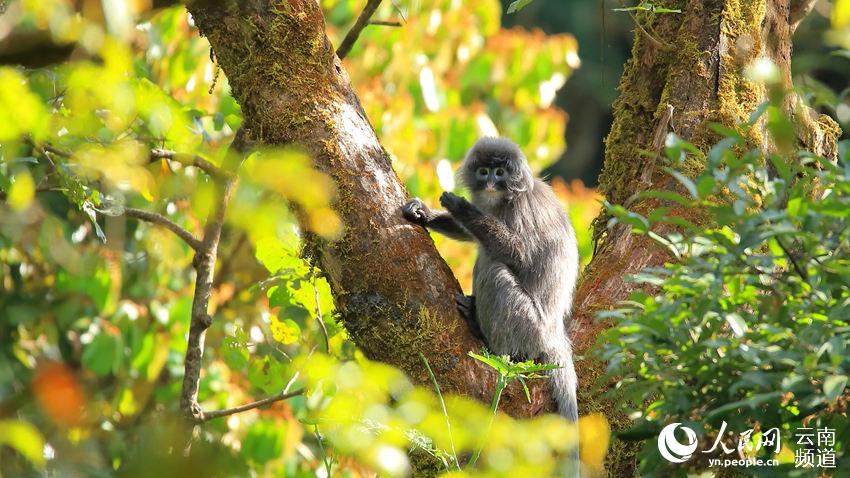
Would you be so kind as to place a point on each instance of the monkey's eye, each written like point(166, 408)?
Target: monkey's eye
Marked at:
point(483, 171)
point(500, 172)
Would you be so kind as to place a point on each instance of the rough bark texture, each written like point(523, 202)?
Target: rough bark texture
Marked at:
point(392, 288)
point(394, 291)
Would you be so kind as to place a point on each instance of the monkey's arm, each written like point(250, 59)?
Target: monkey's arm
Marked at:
point(500, 242)
point(417, 212)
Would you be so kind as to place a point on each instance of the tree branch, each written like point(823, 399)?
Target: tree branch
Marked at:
point(800, 271)
point(207, 416)
point(386, 23)
point(161, 220)
point(800, 9)
point(359, 25)
point(204, 264)
point(189, 160)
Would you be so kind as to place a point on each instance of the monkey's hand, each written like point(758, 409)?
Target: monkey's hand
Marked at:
point(416, 211)
point(455, 204)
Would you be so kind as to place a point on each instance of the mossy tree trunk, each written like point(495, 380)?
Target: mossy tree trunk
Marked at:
point(392, 288)
point(686, 72)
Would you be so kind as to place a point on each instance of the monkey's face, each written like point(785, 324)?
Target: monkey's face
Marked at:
point(491, 179)
point(495, 171)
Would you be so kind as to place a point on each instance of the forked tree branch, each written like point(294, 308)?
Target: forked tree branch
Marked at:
point(352, 35)
point(204, 264)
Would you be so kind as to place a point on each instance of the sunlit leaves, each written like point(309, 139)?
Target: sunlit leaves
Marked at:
point(291, 175)
point(285, 331)
point(595, 435)
point(121, 164)
point(373, 407)
point(21, 112)
point(21, 192)
point(119, 311)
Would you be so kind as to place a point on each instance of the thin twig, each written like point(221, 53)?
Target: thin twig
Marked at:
point(161, 220)
point(207, 416)
point(385, 23)
point(359, 25)
point(328, 463)
point(319, 311)
point(189, 160)
point(397, 8)
point(800, 271)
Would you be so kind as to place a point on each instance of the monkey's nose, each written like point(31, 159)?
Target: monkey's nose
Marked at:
point(491, 186)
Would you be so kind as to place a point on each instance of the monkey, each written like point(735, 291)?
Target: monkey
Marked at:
point(525, 274)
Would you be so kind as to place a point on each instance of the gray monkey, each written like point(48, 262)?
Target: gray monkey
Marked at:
point(525, 274)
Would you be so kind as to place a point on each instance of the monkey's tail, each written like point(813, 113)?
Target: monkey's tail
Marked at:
point(564, 385)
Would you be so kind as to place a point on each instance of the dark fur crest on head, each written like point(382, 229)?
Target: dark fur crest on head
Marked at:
point(493, 152)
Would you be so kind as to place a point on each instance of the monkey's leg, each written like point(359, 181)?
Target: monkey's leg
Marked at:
point(466, 307)
point(511, 320)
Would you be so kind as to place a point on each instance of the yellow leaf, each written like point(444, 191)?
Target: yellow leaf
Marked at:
point(23, 437)
point(841, 14)
point(21, 111)
point(21, 192)
point(594, 433)
point(285, 332)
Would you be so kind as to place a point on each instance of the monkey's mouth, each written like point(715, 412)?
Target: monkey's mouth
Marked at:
point(491, 193)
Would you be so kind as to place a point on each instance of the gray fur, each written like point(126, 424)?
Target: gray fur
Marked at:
point(525, 274)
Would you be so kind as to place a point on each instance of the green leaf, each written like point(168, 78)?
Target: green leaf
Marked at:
point(833, 386)
point(234, 353)
point(518, 5)
point(497, 363)
point(264, 441)
point(685, 181)
point(103, 354)
point(705, 186)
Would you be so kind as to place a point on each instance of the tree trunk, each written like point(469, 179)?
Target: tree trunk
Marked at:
point(686, 72)
point(392, 288)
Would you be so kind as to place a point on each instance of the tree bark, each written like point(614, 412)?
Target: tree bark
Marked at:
point(392, 288)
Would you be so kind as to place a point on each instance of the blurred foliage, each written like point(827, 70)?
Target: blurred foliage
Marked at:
point(749, 326)
point(95, 307)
